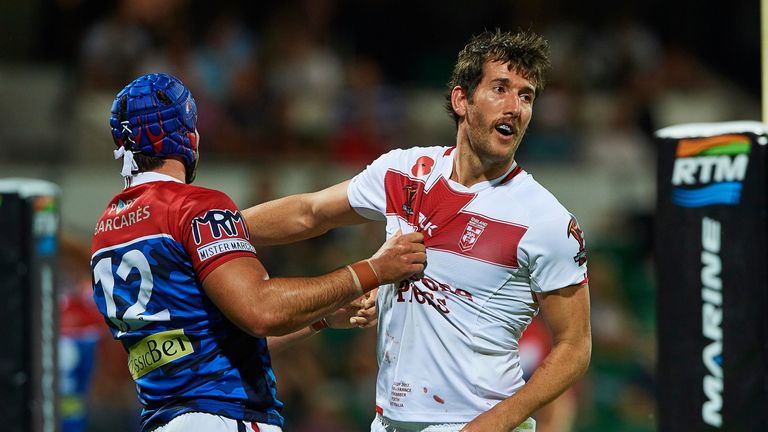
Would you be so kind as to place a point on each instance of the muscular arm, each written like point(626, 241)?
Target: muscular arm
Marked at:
point(360, 313)
point(566, 313)
point(242, 290)
point(287, 220)
point(264, 307)
point(302, 216)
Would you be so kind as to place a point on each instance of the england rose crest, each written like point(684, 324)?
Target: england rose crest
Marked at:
point(472, 232)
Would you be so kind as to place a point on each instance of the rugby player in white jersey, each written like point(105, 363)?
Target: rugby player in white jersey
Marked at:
point(500, 249)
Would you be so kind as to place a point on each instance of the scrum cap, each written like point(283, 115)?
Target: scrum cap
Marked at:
point(154, 115)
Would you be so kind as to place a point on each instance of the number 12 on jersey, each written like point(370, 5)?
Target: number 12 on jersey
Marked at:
point(112, 273)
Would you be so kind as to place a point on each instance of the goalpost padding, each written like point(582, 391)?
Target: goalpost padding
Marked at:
point(29, 225)
point(711, 261)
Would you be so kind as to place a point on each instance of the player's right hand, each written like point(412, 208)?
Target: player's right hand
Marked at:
point(400, 257)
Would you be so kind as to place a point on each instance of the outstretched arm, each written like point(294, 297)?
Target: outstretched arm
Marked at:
point(359, 313)
point(566, 313)
point(302, 216)
point(242, 290)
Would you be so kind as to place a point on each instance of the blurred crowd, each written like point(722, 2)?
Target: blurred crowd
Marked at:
point(342, 82)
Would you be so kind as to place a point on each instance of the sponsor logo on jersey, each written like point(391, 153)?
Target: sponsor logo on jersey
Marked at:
point(426, 226)
point(219, 232)
point(157, 350)
point(429, 292)
point(472, 233)
point(710, 171)
point(575, 231)
point(125, 216)
point(224, 246)
point(423, 166)
point(712, 319)
point(120, 206)
point(215, 224)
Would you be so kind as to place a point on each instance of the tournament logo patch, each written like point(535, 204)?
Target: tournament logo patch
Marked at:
point(472, 233)
point(410, 194)
point(574, 231)
point(220, 231)
point(423, 166)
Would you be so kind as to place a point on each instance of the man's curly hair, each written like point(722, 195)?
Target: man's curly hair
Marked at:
point(525, 51)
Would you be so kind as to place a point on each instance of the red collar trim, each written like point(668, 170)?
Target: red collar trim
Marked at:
point(515, 171)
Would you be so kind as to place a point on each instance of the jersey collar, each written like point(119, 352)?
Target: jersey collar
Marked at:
point(150, 176)
point(447, 170)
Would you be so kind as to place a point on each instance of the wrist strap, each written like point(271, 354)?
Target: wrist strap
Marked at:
point(364, 275)
point(319, 325)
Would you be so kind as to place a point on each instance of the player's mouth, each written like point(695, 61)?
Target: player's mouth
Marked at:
point(505, 129)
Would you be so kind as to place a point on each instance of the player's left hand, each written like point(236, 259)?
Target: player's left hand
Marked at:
point(361, 313)
point(367, 315)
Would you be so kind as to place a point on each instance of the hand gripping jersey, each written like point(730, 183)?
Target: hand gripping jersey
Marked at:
point(447, 341)
point(153, 245)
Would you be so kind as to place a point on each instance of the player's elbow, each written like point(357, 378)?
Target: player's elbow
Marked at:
point(312, 218)
point(266, 323)
point(583, 355)
point(310, 225)
point(578, 352)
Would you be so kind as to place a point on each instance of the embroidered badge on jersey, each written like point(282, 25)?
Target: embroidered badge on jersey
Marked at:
point(410, 193)
point(423, 166)
point(575, 231)
point(472, 232)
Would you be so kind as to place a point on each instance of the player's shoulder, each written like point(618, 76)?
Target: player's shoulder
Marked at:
point(405, 159)
point(412, 154)
point(188, 192)
point(195, 190)
point(185, 200)
point(541, 204)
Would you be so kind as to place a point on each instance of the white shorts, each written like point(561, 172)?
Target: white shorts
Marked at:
point(383, 424)
point(198, 421)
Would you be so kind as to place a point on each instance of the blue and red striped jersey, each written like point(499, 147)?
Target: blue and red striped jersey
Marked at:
point(153, 246)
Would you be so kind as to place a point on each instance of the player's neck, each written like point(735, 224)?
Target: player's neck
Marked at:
point(173, 168)
point(470, 169)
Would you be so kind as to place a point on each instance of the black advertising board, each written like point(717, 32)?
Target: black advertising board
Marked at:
point(29, 224)
point(711, 260)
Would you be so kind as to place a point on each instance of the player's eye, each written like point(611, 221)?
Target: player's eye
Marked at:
point(527, 97)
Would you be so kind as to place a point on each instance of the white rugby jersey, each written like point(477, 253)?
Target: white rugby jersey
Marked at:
point(447, 342)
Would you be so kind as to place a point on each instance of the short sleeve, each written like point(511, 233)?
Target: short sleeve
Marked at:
point(366, 192)
point(212, 231)
point(556, 253)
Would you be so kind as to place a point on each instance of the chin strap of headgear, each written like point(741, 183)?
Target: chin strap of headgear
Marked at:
point(126, 152)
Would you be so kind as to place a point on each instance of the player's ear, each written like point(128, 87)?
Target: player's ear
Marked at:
point(459, 101)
